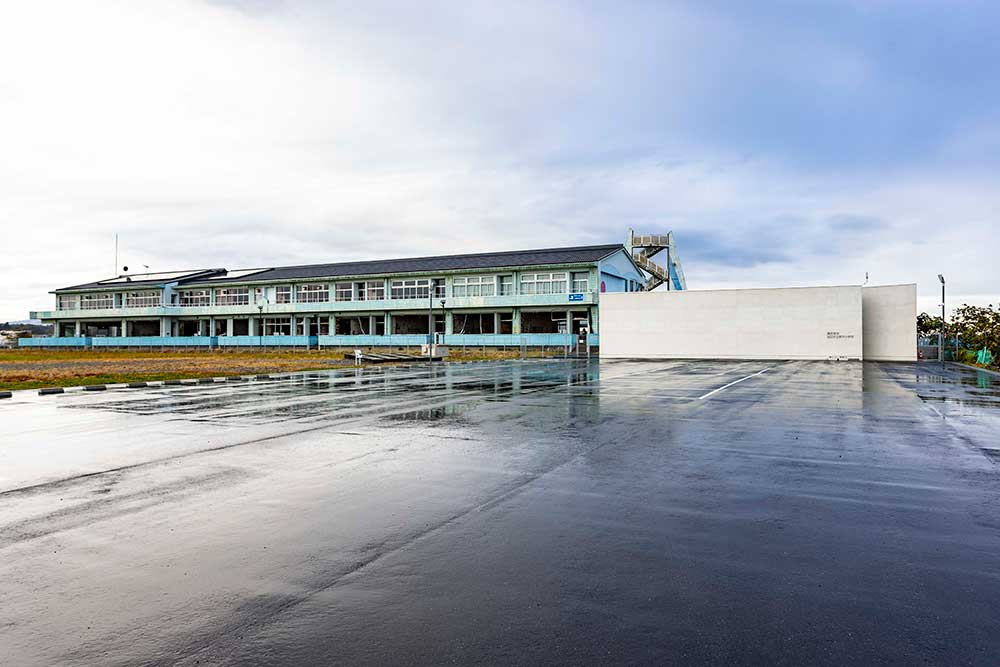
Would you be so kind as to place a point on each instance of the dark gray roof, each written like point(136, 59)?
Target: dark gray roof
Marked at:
point(486, 260)
point(141, 280)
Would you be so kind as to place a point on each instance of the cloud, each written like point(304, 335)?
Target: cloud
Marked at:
point(804, 146)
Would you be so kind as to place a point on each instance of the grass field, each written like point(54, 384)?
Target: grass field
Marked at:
point(35, 369)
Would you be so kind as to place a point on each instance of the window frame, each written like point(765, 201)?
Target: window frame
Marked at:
point(505, 280)
point(189, 299)
point(97, 301)
point(474, 286)
point(544, 282)
point(63, 299)
point(312, 293)
point(410, 288)
point(232, 296)
point(339, 291)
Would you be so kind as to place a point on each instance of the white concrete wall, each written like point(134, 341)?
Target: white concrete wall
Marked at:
point(890, 322)
point(781, 323)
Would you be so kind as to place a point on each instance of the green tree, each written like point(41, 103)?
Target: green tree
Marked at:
point(977, 327)
point(928, 324)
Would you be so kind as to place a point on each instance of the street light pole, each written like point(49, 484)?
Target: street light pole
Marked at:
point(260, 323)
point(941, 333)
point(430, 320)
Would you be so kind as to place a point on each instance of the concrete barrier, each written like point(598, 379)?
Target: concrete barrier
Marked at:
point(779, 323)
point(889, 318)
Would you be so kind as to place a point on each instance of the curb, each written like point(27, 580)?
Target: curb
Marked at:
point(49, 391)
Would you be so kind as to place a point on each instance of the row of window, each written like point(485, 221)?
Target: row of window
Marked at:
point(107, 300)
point(372, 290)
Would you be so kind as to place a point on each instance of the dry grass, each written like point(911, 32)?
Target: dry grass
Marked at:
point(29, 369)
point(33, 369)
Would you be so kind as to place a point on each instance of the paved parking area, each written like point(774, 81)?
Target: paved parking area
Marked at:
point(528, 512)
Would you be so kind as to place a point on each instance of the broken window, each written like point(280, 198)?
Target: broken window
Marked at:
point(474, 323)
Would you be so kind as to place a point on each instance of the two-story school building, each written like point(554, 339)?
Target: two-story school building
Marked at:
point(530, 298)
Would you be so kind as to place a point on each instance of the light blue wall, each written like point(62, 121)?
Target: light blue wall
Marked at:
point(397, 340)
point(616, 270)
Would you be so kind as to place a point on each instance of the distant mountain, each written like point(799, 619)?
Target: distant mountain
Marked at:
point(35, 327)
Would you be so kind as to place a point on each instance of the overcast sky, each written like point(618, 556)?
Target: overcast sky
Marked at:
point(785, 143)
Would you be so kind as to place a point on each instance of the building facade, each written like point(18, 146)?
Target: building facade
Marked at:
point(531, 297)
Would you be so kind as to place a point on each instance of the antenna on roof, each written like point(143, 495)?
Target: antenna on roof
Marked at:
point(116, 252)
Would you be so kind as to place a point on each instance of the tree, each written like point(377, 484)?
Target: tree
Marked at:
point(928, 324)
point(977, 327)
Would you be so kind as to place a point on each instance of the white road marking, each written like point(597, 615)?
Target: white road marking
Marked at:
point(715, 391)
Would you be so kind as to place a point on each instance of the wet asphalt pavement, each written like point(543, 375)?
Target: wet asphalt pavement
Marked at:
point(515, 512)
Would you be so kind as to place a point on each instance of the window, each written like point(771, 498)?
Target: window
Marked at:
point(97, 301)
point(315, 293)
point(439, 288)
point(474, 323)
point(66, 302)
point(143, 299)
point(345, 291)
point(474, 286)
point(232, 296)
point(196, 297)
point(543, 283)
point(410, 289)
point(277, 326)
point(506, 284)
point(373, 290)
point(581, 281)
point(283, 294)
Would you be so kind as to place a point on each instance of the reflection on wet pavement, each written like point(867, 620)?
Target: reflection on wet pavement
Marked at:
point(528, 512)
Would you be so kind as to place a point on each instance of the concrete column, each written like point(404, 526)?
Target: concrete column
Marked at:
point(569, 322)
point(388, 324)
point(293, 324)
point(593, 320)
point(164, 326)
point(253, 324)
point(124, 331)
point(78, 329)
point(449, 322)
point(332, 324)
point(516, 324)
point(496, 322)
point(229, 326)
point(305, 325)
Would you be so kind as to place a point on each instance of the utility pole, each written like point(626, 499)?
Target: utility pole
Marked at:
point(941, 333)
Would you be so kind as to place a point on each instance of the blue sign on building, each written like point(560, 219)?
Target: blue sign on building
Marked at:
point(576, 297)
